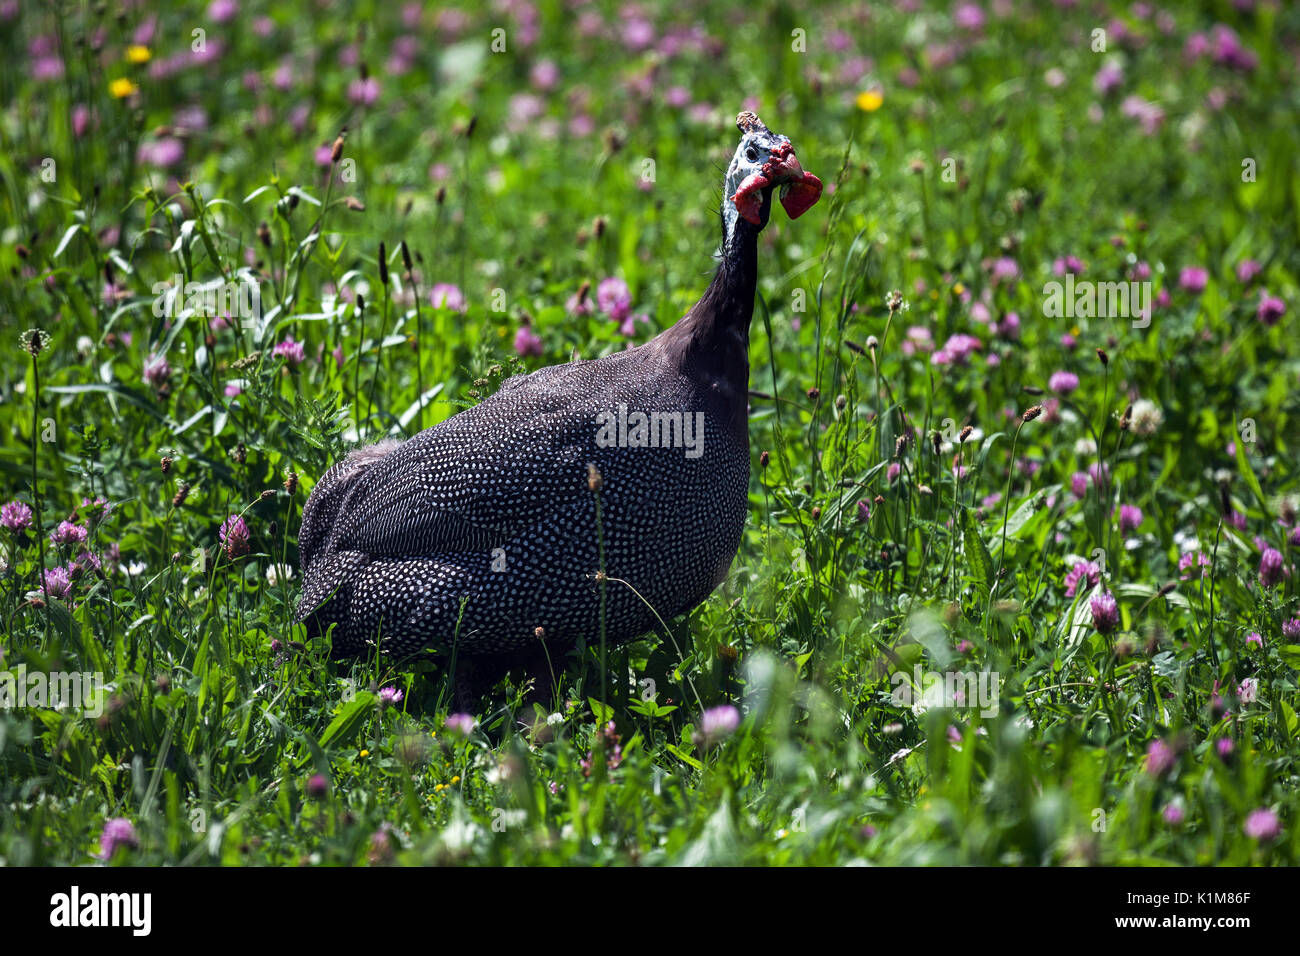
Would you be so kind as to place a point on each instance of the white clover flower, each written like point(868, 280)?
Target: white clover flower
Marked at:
point(1085, 448)
point(460, 834)
point(275, 573)
point(1147, 417)
point(1186, 541)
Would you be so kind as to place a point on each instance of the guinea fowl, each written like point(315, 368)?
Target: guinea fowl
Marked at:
point(485, 533)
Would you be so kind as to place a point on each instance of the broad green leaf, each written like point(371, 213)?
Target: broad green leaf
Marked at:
point(348, 719)
point(981, 564)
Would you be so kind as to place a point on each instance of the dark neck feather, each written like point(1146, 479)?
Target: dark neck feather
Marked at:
point(710, 344)
point(728, 303)
point(722, 314)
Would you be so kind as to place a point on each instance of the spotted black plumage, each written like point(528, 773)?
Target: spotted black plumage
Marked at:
point(483, 529)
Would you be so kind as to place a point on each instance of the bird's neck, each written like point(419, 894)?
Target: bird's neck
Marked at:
point(729, 298)
point(717, 326)
point(711, 342)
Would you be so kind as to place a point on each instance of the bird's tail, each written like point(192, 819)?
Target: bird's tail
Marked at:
point(327, 588)
point(321, 512)
point(324, 568)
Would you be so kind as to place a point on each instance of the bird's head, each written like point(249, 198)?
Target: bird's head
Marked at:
point(764, 161)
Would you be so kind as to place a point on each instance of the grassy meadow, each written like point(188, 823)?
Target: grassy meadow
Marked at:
point(1019, 582)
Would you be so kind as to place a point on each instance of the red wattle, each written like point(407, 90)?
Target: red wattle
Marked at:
point(798, 198)
point(748, 200)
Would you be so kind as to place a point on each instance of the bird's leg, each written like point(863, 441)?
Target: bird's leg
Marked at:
point(462, 690)
point(542, 691)
point(474, 677)
point(539, 680)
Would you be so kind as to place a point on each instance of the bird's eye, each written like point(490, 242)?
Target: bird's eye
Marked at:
point(751, 154)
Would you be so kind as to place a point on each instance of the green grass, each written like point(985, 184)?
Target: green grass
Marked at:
point(992, 144)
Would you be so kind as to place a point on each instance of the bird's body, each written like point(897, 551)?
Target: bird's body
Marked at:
point(493, 506)
point(489, 530)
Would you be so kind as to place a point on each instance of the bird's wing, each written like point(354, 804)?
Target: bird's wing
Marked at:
point(485, 475)
point(461, 489)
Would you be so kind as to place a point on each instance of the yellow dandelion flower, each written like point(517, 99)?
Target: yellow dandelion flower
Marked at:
point(121, 88)
point(456, 779)
point(138, 54)
point(958, 289)
point(365, 753)
point(870, 100)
